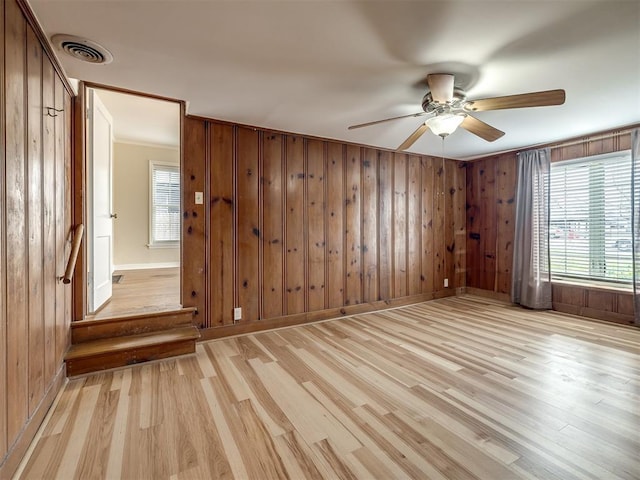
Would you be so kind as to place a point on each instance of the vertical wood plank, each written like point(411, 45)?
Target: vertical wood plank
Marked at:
point(49, 233)
point(335, 225)
point(414, 230)
point(16, 214)
point(473, 224)
point(370, 225)
point(3, 251)
point(193, 263)
point(34, 189)
point(459, 222)
point(221, 231)
point(439, 240)
point(385, 225)
point(400, 225)
point(488, 224)
point(428, 194)
point(62, 235)
point(506, 173)
point(79, 284)
point(450, 167)
point(316, 224)
point(273, 226)
point(353, 225)
point(248, 237)
point(295, 256)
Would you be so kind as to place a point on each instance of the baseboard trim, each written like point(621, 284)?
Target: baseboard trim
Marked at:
point(145, 266)
point(479, 292)
point(21, 445)
point(310, 317)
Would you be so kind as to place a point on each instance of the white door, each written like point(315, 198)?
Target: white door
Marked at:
point(99, 148)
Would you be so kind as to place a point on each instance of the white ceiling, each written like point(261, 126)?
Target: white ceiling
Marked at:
point(315, 67)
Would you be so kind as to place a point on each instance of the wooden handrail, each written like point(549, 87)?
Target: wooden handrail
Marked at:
point(75, 248)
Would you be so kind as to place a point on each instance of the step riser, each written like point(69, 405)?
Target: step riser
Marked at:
point(94, 330)
point(109, 360)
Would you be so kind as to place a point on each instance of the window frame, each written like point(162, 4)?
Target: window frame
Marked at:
point(153, 243)
point(575, 279)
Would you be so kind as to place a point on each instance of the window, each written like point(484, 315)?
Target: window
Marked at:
point(590, 219)
point(164, 202)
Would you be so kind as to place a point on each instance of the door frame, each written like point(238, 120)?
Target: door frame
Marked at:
point(79, 183)
point(97, 107)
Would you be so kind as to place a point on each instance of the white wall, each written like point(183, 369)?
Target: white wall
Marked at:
point(131, 203)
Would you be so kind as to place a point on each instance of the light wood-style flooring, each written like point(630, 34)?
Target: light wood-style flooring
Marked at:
point(143, 291)
point(449, 389)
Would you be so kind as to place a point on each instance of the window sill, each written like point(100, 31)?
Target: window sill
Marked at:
point(592, 285)
point(163, 245)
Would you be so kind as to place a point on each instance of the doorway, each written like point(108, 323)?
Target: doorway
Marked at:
point(133, 203)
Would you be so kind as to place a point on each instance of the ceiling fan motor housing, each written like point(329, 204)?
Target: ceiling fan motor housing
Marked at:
point(430, 105)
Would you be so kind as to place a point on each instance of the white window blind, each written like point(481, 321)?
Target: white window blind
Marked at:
point(165, 203)
point(590, 219)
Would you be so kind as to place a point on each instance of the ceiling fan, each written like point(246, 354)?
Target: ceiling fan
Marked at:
point(448, 108)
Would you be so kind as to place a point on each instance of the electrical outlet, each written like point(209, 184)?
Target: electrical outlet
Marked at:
point(237, 314)
point(446, 282)
point(199, 198)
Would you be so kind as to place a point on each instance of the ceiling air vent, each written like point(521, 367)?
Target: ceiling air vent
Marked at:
point(82, 49)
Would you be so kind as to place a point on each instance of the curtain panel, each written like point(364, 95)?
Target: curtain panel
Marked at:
point(531, 276)
point(635, 220)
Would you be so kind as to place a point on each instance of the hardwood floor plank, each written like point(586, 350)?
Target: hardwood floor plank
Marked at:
point(333, 460)
point(347, 417)
point(143, 291)
point(268, 410)
point(71, 457)
point(414, 463)
point(308, 416)
point(264, 459)
point(575, 464)
point(612, 457)
point(116, 451)
point(233, 453)
point(374, 466)
point(95, 456)
point(460, 387)
point(441, 459)
point(296, 456)
point(207, 368)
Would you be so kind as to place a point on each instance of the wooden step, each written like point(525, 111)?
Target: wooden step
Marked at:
point(117, 326)
point(105, 353)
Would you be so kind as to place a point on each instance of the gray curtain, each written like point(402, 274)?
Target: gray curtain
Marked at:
point(635, 220)
point(531, 278)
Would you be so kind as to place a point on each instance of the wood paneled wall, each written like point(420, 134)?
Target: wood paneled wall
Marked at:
point(35, 223)
point(491, 188)
point(490, 192)
point(296, 228)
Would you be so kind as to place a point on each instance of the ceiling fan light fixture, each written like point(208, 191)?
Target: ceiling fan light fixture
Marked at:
point(445, 124)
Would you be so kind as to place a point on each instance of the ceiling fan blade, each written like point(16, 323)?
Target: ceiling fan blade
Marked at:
point(413, 137)
point(360, 125)
point(533, 99)
point(481, 129)
point(441, 86)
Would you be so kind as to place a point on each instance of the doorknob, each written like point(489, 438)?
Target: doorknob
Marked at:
point(114, 215)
